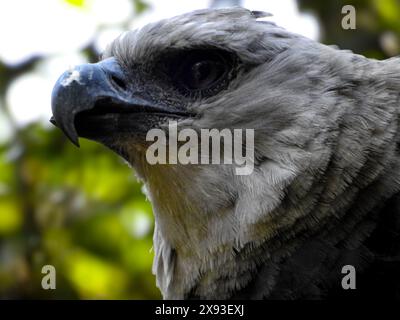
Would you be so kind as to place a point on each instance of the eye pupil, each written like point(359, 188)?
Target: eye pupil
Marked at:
point(202, 73)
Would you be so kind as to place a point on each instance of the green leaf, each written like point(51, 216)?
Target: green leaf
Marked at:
point(11, 215)
point(76, 3)
point(95, 278)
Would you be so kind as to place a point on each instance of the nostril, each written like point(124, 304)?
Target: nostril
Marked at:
point(118, 82)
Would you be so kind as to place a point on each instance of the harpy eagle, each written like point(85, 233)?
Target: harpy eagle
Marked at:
point(324, 192)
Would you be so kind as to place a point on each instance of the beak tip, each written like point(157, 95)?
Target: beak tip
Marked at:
point(68, 130)
point(71, 135)
point(73, 138)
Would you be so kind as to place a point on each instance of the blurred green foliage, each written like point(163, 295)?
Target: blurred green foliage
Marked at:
point(80, 210)
point(83, 210)
point(377, 33)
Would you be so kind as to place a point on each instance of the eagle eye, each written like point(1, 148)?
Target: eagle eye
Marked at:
point(201, 72)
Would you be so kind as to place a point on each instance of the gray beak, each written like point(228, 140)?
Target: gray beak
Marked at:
point(95, 100)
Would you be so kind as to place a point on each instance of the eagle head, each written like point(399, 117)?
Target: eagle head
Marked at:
point(317, 143)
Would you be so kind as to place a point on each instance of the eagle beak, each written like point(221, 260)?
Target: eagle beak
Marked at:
point(81, 88)
point(97, 100)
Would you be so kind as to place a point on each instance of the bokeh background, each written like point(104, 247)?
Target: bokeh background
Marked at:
point(82, 210)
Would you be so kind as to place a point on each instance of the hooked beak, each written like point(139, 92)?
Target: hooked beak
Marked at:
point(96, 100)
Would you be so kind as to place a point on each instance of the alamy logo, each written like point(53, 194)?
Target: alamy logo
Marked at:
point(349, 280)
point(349, 20)
point(189, 147)
point(49, 280)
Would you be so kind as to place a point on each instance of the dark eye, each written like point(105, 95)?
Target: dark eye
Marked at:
point(198, 74)
point(201, 72)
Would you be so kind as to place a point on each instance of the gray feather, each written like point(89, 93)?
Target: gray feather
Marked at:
point(327, 161)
